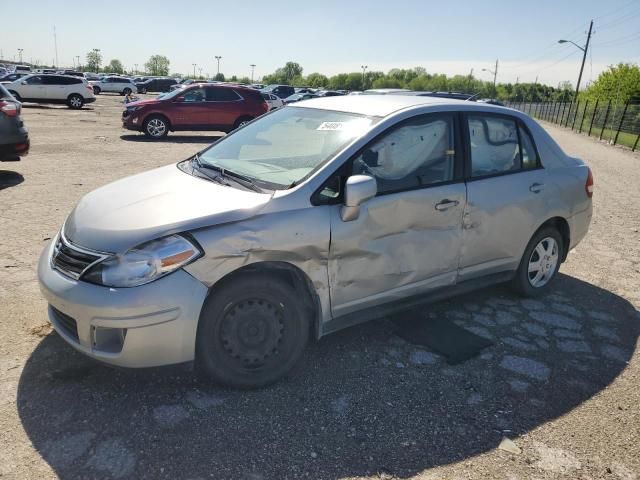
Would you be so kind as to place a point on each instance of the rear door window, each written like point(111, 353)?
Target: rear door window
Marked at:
point(529, 153)
point(216, 94)
point(494, 144)
point(37, 80)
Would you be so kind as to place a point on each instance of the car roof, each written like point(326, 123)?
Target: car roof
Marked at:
point(380, 105)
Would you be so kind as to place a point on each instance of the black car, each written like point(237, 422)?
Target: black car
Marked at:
point(11, 77)
point(156, 85)
point(14, 138)
point(282, 91)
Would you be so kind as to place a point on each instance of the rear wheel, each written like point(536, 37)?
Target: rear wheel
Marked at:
point(242, 121)
point(540, 263)
point(75, 101)
point(156, 127)
point(96, 90)
point(252, 331)
point(126, 91)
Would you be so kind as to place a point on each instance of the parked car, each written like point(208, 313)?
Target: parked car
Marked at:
point(121, 85)
point(310, 219)
point(73, 91)
point(296, 97)
point(73, 73)
point(272, 100)
point(304, 90)
point(491, 101)
point(282, 91)
point(452, 95)
point(329, 93)
point(385, 91)
point(22, 69)
point(12, 77)
point(156, 85)
point(196, 107)
point(14, 137)
point(91, 76)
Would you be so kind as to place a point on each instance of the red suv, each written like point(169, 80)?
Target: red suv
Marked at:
point(198, 107)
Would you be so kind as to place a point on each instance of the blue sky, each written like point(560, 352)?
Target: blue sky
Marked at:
point(334, 36)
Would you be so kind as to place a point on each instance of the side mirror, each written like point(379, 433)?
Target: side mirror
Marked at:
point(358, 189)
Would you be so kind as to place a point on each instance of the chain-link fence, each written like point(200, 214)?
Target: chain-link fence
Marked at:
point(617, 123)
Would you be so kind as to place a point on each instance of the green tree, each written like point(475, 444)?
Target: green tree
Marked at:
point(620, 83)
point(157, 65)
point(115, 66)
point(219, 77)
point(94, 60)
point(286, 75)
point(317, 80)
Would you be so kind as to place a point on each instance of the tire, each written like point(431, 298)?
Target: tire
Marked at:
point(156, 127)
point(241, 122)
point(252, 331)
point(75, 101)
point(126, 91)
point(543, 257)
point(96, 90)
point(142, 90)
point(15, 95)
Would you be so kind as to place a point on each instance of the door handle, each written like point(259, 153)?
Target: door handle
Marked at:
point(445, 204)
point(536, 187)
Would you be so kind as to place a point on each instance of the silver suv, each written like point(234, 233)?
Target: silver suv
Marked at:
point(307, 220)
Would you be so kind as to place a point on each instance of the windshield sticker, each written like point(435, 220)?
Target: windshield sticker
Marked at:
point(331, 126)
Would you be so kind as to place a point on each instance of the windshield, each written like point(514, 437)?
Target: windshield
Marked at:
point(286, 146)
point(171, 94)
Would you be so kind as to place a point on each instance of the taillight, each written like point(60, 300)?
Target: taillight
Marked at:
point(10, 109)
point(588, 186)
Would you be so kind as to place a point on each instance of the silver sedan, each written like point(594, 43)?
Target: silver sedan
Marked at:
point(307, 220)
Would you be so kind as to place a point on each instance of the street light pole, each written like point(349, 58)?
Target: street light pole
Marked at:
point(584, 55)
point(194, 69)
point(20, 53)
point(78, 58)
point(253, 66)
point(135, 66)
point(494, 72)
point(218, 57)
point(364, 75)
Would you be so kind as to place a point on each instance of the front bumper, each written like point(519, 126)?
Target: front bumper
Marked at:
point(146, 326)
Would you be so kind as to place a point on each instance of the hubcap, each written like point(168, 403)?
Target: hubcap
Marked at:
point(76, 102)
point(543, 262)
point(156, 127)
point(252, 331)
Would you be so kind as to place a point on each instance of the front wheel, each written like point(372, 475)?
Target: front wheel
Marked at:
point(75, 101)
point(540, 263)
point(96, 90)
point(126, 91)
point(252, 331)
point(156, 127)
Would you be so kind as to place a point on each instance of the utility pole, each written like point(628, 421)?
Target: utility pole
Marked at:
point(218, 57)
point(253, 66)
point(494, 72)
point(20, 53)
point(584, 55)
point(55, 43)
point(364, 76)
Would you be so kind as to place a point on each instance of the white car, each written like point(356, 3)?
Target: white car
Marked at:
point(121, 85)
point(272, 100)
point(47, 88)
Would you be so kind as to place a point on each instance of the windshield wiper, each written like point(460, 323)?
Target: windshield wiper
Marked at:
point(223, 172)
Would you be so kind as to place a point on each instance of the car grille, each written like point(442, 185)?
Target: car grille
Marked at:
point(70, 260)
point(66, 323)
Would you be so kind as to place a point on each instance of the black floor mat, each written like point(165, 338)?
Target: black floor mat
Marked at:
point(441, 335)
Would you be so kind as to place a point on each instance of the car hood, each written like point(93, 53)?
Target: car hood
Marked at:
point(143, 207)
point(142, 103)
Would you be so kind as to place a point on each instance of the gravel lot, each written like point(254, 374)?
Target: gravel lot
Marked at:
point(562, 379)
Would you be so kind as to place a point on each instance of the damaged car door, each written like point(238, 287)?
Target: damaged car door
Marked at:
point(407, 238)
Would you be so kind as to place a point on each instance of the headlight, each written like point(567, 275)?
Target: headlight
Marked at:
point(144, 263)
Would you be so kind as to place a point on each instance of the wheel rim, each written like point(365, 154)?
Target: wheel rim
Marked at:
point(156, 127)
point(252, 331)
point(543, 262)
point(75, 102)
point(243, 123)
point(126, 91)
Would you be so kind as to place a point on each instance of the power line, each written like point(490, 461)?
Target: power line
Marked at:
point(621, 40)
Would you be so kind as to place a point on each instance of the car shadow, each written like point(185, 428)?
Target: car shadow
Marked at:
point(9, 178)
point(207, 139)
point(361, 401)
point(40, 106)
